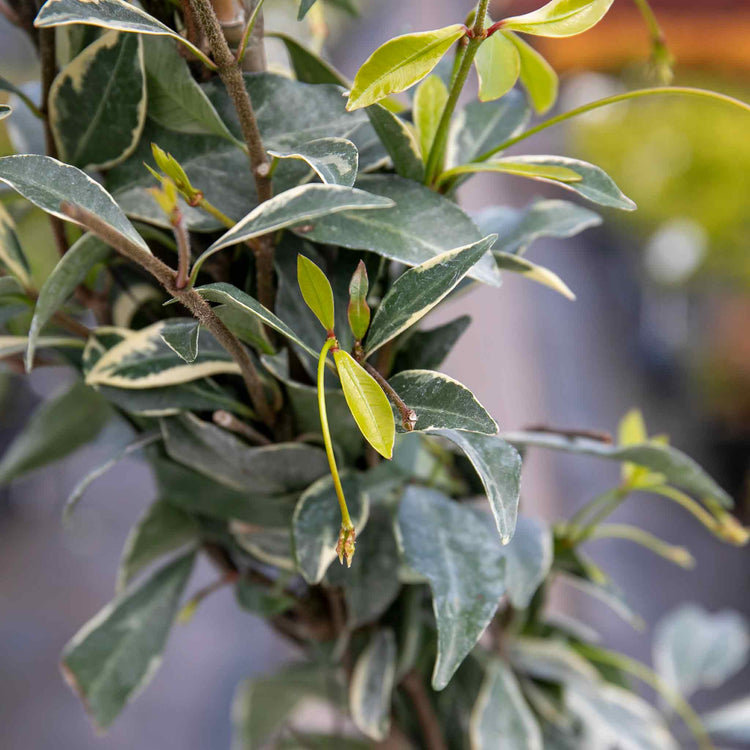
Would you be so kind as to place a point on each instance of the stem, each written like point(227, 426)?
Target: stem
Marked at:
point(678, 555)
point(228, 421)
point(231, 75)
point(671, 90)
point(183, 249)
point(346, 521)
point(598, 508)
point(248, 31)
point(652, 24)
point(48, 61)
point(426, 716)
point(188, 297)
point(209, 208)
point(643, 673)
point(602, 437)
point(408, 416)
point(437, 150)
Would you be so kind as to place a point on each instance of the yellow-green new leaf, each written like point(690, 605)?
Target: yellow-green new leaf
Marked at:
point(316, 290)
point(367, 402)
point(560, 18)
point(429, 102)
point(521, 169)
point(400, 63)
point(540, 274)
point(498, 66)
point(537, 76)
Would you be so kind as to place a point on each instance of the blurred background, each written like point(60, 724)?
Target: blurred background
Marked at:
point(661, 322)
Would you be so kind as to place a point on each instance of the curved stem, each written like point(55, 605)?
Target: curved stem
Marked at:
point(667, 91)
point(678, 555)
point(437, 150)
point(248, 32)
point(346, 521)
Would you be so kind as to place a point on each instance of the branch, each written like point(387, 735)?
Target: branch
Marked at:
point(408, 416)
point(428, 720)
point(188, 297)
point(231, 74)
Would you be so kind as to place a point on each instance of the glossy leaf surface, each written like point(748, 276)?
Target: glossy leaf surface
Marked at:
point(334, 160)
point(560, 18)
point(316, 291)
point(498, 65)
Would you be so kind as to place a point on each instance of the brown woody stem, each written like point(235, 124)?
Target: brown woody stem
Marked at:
point(408, 416)
point(183, 249)
point(428, 720)
point(188, 297)
point(228, 421)
point(231, 74)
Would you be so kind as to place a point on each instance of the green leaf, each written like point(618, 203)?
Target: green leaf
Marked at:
point(501, 717)
point(199, 494)
point(10, 287)
point(498, 65)
point(181, 336)
point(109, 14)
point(372, 684)
point(419, 289)
point(12, 345)
point(175, 100)
point(537, 75)
point(560, 18)
point(262, 705)
point(528, 558)
point(5, 110)
point(160, 530)
point(334, 160)
point(279, 469)
point(56, 429)
point(429, 102)
point(47, 182)
point(272, 546)
point(550, 661)
point(421, 225)
point(358, 311)
point(258, 600)
point(399, 141)
point(80, 489)
point(428, 349)
point(97, 104)
point(117, 653)
point(6, 85)
point(731, 722)
point(367, 402)
point(248, 329)
point(304, 7)
point(518, 167)
point(12, 255)
point(371, 584)
point(499, 468)
point(480, 126)
point(292, 207)
point(449, 545)
point(307, 65)
point(441, 402)
point(679, 469)
point(400, 63)
point(540, 274)
point(695, 649)
point(316, 291)
point(517, 229)
point(145, 360)
point(70, 271)
point(230, 295)
point(317, 522)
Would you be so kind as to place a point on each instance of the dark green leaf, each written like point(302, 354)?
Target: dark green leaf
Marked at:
point(501, 717)
point(427, 350)
point(441, 402)
point(317, 522)
point(116, 654)
point(279, 469)
point(334, 160)
point(163, 528)
point(551, 661)
point(308, 67)
point(499, 468)
point(181, 336)
point(12, 255)
point(449, 545)
point(304, 7)
point(528, 557)
point(97, 103)
point(419, 289)
point(481, 126)
point(399, 140)
point(372, 684)
point(517, 229)
point(678, 468)
point(56, 429)
point(247, 328)
point(695, 649)
point(420, 226)
point(69, 272)
point(272, 546)
point(259, 600)
point(47, 182)
point(5, 110)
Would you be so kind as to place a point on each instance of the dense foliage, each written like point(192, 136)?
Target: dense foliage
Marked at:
point(245, 258)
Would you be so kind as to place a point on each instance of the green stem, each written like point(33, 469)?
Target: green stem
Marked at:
point(649, 18)
point(346, 521)
point(218, 215)
point(598, 507)
point(671, 90)
point(678, 555)
point(248, 32)
point(435, 158)
point(643, 673)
